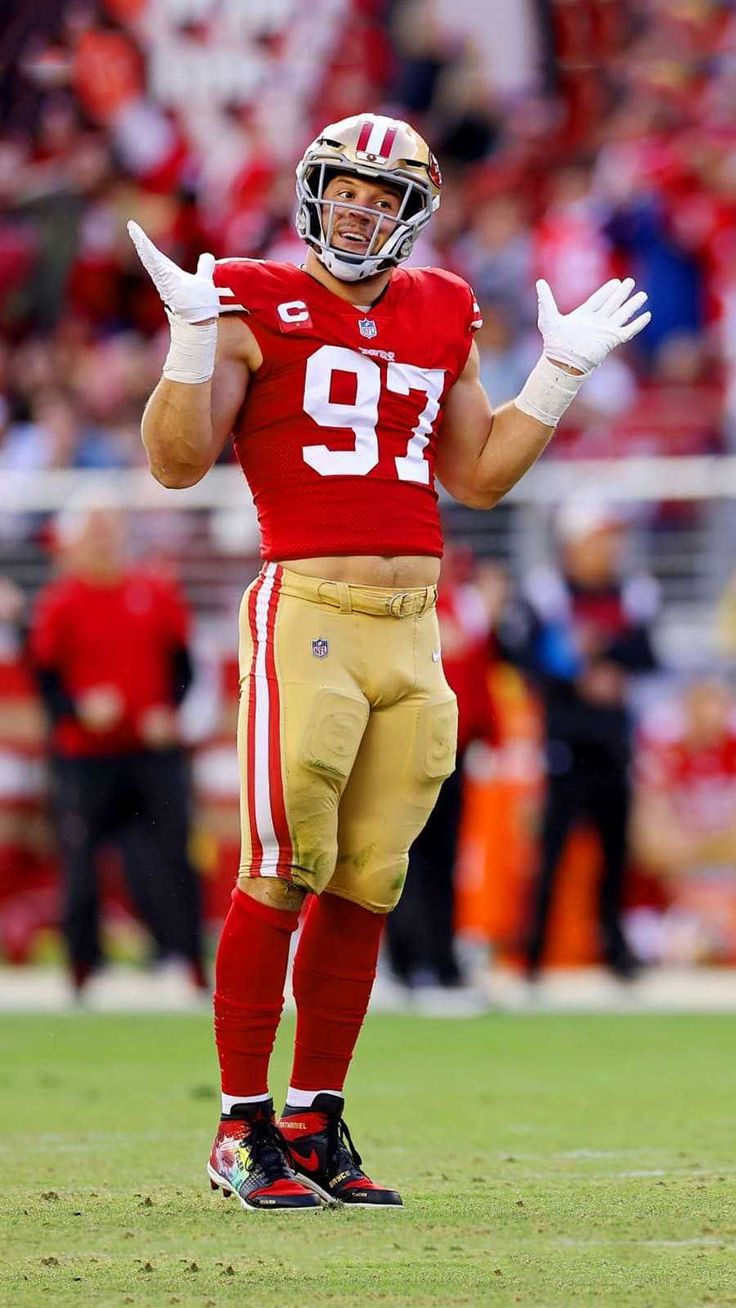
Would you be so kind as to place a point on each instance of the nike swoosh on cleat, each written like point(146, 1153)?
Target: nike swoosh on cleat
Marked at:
point(310, 1160)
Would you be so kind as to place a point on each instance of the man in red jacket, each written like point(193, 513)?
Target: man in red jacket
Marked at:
point(108, 644)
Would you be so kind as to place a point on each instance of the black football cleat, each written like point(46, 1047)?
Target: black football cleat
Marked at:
point(325, 1158)
point(250, 1158)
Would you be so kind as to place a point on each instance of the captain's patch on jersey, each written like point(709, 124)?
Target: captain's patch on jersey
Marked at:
point(320, 648)
point(293, 315)
point(367, 328)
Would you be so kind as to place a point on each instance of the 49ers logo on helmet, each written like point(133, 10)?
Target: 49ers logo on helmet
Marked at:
point(433, 168)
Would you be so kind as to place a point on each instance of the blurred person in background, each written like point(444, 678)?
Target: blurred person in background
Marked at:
point(684, 819)
point(343, 384)
point(505, 357)
point(582, 630)
point(421, 930)
point(496, 256)
point(109, 646)
point(725, 632)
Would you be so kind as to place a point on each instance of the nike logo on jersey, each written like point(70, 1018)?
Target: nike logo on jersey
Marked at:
point(310, 1160)
point(436, 655)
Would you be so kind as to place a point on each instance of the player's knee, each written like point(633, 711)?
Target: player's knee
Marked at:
point(375, 885)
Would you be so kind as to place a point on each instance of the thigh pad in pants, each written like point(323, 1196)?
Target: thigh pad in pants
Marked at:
point(407, 751)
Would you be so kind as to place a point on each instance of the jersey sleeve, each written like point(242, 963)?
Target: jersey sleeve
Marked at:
point(238, 284)
point(475, 317)
point(452, 304)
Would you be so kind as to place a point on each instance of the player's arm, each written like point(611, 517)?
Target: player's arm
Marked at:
point(186, 424)
point(482, 454)
point(192, 410)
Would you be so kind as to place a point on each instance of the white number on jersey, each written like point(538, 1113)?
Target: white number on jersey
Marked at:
point(361, 416)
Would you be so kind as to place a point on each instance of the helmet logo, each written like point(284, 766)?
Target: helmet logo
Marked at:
point(433, 168)
point(367, 328)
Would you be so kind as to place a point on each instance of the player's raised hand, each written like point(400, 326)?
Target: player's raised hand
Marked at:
point(585, 336)
point(191, 296)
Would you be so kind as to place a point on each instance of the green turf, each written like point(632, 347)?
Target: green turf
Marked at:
point(544, 1160)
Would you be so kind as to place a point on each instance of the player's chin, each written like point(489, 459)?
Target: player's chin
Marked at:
point(350, 247)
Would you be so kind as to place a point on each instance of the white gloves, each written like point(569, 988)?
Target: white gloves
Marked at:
point(581, 339)
point(585, 336)
point(191, 296)
point(189, 299)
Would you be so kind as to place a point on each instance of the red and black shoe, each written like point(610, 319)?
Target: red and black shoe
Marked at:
point(326, 1159)
point(251, 1159)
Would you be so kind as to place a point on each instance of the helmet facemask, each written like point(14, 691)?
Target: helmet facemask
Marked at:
point(317, 217)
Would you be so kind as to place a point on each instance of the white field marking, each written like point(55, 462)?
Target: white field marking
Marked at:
point(645, 1171)
point(596, 1153)
point(89, 1144)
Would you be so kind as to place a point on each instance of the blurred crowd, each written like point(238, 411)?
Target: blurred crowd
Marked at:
point(579, 140)
point(611, 150)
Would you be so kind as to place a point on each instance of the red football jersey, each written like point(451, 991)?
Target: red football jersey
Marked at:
point(339, 429)
point(123, 635)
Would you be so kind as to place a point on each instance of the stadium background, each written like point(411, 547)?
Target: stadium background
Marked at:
point(579, 139)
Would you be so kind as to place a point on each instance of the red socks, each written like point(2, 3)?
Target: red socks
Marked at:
point(250, 973)
point(334, 970)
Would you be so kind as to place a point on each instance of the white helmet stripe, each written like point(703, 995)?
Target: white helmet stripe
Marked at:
point(379, 138)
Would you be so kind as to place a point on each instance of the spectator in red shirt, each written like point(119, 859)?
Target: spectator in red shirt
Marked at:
point(685, 812)
point(108, 644)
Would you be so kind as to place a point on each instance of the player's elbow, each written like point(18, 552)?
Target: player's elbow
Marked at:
point(176, 478)
point(472, 496)
point(482, 499)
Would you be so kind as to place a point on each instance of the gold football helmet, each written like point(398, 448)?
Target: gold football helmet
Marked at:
point(372, 146)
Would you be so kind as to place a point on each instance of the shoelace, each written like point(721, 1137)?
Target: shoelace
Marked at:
point(341, 1143)
point(268, 1149)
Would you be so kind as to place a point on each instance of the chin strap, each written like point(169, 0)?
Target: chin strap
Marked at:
point(347, 272)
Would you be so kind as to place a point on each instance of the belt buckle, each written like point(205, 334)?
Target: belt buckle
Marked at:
point(396, 605)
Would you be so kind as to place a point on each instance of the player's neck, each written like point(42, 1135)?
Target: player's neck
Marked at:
point(359, 293)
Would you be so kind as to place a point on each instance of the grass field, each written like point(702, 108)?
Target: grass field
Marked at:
point(544, 1160)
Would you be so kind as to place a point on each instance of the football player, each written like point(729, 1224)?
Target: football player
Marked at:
point(347, 385)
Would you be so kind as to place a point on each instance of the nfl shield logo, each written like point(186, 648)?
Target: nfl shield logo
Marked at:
point(367, 328)
point(320, 648)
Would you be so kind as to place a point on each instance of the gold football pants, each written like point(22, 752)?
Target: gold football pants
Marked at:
point(346, 731)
